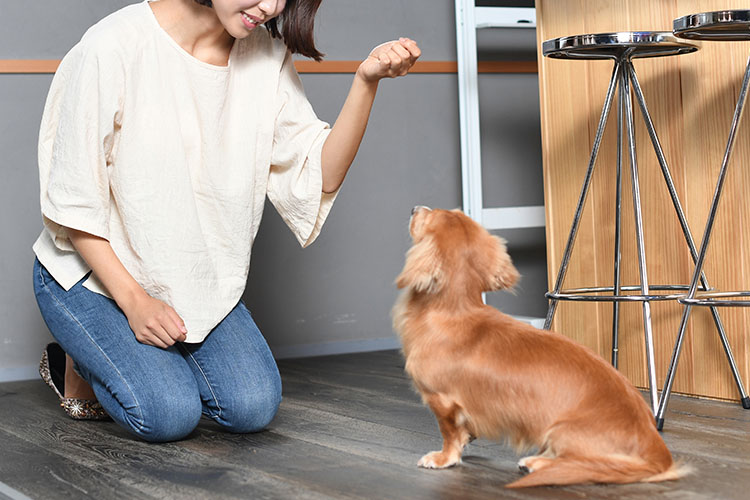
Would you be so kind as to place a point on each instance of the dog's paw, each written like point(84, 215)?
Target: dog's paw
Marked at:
point(532, 463)
point(438, 460)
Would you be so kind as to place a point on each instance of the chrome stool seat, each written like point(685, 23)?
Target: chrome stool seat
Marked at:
point(724, 25)
point(622, 48)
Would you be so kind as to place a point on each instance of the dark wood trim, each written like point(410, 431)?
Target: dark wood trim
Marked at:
point(28, 65)
point(36, 66)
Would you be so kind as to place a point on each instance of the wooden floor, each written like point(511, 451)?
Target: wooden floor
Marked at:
point(349, 427)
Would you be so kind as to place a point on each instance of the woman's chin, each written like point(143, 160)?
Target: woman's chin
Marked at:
point(238, 33)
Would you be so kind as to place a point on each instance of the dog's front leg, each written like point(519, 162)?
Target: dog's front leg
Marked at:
point(452, 423)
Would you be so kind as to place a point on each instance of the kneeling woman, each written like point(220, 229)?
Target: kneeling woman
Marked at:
point(164, 130)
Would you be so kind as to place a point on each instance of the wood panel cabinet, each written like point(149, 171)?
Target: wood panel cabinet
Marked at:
point(691, 99)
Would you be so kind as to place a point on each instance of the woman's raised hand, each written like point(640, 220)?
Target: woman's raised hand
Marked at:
point(389, 60)
point(154, 322)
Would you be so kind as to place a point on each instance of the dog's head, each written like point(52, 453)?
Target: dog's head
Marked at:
point(451, 250)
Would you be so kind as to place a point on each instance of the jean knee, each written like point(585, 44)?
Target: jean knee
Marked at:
point(253, 409)
point(169, 419)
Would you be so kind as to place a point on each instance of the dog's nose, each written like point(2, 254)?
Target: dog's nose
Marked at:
point(418, 208)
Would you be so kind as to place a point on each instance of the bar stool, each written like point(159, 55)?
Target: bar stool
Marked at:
point(728, 25)
point(622, 48)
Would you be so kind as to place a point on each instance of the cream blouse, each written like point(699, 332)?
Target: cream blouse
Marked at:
point(170, 159)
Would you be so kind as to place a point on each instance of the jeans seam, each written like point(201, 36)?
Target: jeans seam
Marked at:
point(218, 415)
point(64, 308)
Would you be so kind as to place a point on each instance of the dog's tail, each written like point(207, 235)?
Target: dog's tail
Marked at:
point(599, 470)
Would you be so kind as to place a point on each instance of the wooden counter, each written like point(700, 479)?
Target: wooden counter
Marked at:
point(691, 99)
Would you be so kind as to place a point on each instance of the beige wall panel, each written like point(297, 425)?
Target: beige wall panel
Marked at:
point(691, 100)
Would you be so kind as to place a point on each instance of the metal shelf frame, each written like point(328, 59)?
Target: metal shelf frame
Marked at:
point(469, 18)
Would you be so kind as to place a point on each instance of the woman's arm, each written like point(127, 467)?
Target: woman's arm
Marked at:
point(388, 60)
point(153, 322)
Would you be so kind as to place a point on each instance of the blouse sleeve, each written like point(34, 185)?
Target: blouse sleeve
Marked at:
point(76, 141)
point(295, 185)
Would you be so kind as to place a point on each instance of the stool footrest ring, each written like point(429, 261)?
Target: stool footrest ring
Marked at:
point(586, 294)
point(718, 299)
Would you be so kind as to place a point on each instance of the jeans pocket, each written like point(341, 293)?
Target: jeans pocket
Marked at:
point(41, 275)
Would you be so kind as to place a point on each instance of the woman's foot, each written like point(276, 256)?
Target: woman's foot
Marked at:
point(75, 386)
point(75, 395)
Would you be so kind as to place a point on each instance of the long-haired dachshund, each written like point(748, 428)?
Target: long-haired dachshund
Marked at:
point(485, 374)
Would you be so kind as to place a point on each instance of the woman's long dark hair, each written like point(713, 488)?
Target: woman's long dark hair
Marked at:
point(297, 22)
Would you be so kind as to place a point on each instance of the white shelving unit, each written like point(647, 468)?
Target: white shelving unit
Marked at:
point(469, 19)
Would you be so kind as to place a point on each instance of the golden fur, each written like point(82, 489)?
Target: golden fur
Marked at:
point(485, 374)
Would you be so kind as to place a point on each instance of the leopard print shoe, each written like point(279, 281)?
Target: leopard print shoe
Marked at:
point(52, 371)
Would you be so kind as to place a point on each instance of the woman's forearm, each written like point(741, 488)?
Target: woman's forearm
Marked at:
point(387, 60)
point(98, 254)
point(346, 135)
point(153, 322)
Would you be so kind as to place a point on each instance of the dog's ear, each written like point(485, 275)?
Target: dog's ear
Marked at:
point(422, 271)
point(504, 273)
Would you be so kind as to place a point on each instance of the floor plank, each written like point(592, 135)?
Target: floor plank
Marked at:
point(349, 427)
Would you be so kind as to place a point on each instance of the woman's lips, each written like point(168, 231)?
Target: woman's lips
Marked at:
point(250, 22)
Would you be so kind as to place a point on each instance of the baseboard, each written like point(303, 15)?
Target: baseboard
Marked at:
point(8, 492)
point(351, 346)
point(535, 322)
point(279, 352)
point(19, 373)
point(341, 347)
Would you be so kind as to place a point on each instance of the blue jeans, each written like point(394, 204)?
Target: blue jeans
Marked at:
point(159, 394)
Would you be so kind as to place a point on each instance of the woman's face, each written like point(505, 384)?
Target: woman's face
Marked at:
point(240, 17)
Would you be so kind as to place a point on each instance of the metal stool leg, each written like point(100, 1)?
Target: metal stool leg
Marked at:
point(686, 231)
point(618, 230)
point(639, 235)
point(584, 191)
point(666, 392)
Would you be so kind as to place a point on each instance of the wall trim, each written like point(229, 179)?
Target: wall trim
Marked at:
point(420, 67)
point(19, 373)
point(11, 493)
point(28, 65)
point(279, 352)
point(340, 347)
point(43, 66)
point(31, 372)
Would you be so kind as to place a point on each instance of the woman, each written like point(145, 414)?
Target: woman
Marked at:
point(164, 130)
